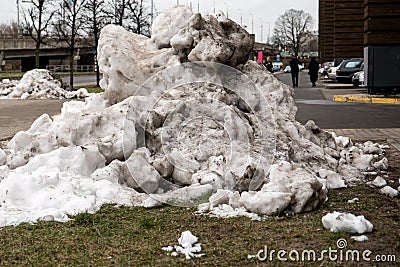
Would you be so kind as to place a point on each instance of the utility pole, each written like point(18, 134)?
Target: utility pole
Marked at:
point(18, 16)
point(252, 23)
point(241, 17)
point(262, 30)
point(152, 12)
point(227, 10)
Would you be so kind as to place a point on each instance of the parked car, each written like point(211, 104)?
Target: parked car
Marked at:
point(277, 66)
point(288, 69)
point(332, 72)
point(325, 67)
point(345, 72)
point(358, 79)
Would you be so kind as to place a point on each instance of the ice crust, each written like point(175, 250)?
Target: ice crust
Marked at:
point(38, 84)
point(346, 222)
point(170, 129)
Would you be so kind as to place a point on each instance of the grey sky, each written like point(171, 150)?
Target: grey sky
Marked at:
point(261, 12)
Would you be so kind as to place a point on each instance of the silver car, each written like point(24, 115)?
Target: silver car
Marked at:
point(358, 79)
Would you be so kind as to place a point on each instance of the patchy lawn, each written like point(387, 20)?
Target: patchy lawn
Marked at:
point(121, 236)
point(90, 88)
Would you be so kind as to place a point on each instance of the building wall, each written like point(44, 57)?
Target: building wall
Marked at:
point(382, 22)
point(326, 30)
point(347, 26)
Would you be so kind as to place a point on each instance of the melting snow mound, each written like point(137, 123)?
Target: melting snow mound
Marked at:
point(38, 84)
point(185, 119)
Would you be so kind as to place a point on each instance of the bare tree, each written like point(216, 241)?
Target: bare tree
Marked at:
point(140, 17)
point(9, 30)
point(119, 11)
point(291, 28)
point(69, 27)
point(133, 15)
point(37, 20)
point(95, 18)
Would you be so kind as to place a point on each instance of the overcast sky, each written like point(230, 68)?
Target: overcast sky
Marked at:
point(261, 12)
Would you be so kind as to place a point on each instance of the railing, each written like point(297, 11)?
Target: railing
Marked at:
point(66, 68)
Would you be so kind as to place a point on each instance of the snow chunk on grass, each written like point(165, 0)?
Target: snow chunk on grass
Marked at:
point(188, 246)
point(346, 222)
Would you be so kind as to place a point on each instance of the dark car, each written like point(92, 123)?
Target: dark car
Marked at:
point(345, 72)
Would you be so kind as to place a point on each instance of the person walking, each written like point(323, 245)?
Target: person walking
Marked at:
point(313, 71)
point(294, 70)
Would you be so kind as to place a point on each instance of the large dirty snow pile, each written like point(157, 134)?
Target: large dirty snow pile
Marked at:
point(38, 84)
point(170, 129)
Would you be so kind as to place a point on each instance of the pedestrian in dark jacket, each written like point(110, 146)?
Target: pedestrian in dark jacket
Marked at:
point(313, 71)
point(294, 70)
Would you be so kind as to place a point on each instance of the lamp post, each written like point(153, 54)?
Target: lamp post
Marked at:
point(241, 17)
point(18, 15)
point(252, 23)
point(262, 30)
point(227, 10)
point(152, 12)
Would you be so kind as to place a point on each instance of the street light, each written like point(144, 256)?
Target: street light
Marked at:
point(214, 6)
point(18, 15)
point(252, 23)
point(227, 10)
point(269, 32)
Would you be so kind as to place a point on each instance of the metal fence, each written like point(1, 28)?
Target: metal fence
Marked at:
point(66, 68)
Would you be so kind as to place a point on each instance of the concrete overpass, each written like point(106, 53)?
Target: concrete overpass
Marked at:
point(18, 53)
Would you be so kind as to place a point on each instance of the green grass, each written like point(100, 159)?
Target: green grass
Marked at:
point(90, 88)
point(123, 236)
point(10, 75)
point(15, 75)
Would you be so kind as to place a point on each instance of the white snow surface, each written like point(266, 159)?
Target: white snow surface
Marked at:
point(389, 191)
point(38, 84)
point(378, 182)
point(188, 246)
point(360, 238)
point(169, 129)
point(346, 222)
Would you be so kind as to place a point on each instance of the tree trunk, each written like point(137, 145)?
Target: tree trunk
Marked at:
point(71, 66)
point(37, 55)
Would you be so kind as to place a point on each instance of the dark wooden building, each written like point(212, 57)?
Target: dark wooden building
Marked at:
point(347, 26)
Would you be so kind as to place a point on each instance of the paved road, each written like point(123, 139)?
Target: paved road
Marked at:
point(80, 79)
point(316, 104)
point(18, 115)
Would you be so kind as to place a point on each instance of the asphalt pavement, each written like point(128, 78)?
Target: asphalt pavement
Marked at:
point(315, 103)
point(18, 115)
point(81, 80)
